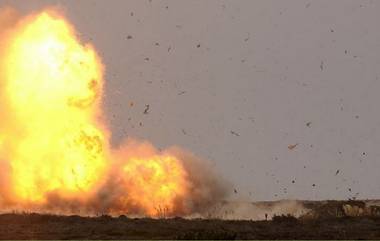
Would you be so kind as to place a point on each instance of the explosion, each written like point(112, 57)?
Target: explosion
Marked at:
point(54, 144)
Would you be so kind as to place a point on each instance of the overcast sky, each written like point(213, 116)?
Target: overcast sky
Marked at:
point(238, 82)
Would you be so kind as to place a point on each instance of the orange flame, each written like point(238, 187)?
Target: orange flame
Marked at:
point(51, 136)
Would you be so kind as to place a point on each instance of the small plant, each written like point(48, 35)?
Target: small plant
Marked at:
point(162, 212)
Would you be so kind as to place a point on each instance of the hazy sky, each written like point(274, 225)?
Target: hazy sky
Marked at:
point(237, 82)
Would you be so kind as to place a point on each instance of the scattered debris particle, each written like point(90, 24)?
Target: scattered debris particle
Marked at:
point(131, 104)
point(307, 5)
point(291, 147)
point(235, 191)
point(313, 185)
point(308, 124)
point(337, 172)
point(345, 51)
point(364, 153)
point(181, 93)
point(321, 65)
point(235, 133)
point(146, 59)
point(357, 117)
point(157, 44)
point(247, 38)
point(184, 132)
point(140, 124)
point(169, 49)
point(146, 111)
point(132, 14)
point(293, 181)
point(349, 189)
point(199, 45)
point(331, 30)
point(129, 37)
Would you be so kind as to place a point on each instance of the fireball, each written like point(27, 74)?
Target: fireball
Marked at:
point(52, 136)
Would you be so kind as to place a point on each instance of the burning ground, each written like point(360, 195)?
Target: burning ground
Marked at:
point(55, 154)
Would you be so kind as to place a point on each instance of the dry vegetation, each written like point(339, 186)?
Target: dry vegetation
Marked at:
point(327, 220)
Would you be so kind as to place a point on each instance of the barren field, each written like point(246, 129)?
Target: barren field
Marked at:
point(327, 222)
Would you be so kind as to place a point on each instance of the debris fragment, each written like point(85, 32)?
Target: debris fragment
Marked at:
point(308, 124)
point(129, 37)
point(321, 65)
point(247, 38)
point(146, 109)
point(337, 172)
point(199, 45)
point(181, 93)
point(235, 133)
point(291, 147)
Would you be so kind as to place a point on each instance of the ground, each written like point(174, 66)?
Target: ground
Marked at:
point(38, 226)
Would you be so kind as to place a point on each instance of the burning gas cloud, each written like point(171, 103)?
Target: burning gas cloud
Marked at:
point(54, 145)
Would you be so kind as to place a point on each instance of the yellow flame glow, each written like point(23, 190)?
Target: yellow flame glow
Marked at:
point(50, 134)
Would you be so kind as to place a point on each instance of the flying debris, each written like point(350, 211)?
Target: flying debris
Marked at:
point(235, 133)
point(291, 147)
point(146, 111)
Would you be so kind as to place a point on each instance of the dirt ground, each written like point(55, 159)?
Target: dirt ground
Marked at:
point(37, 226)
